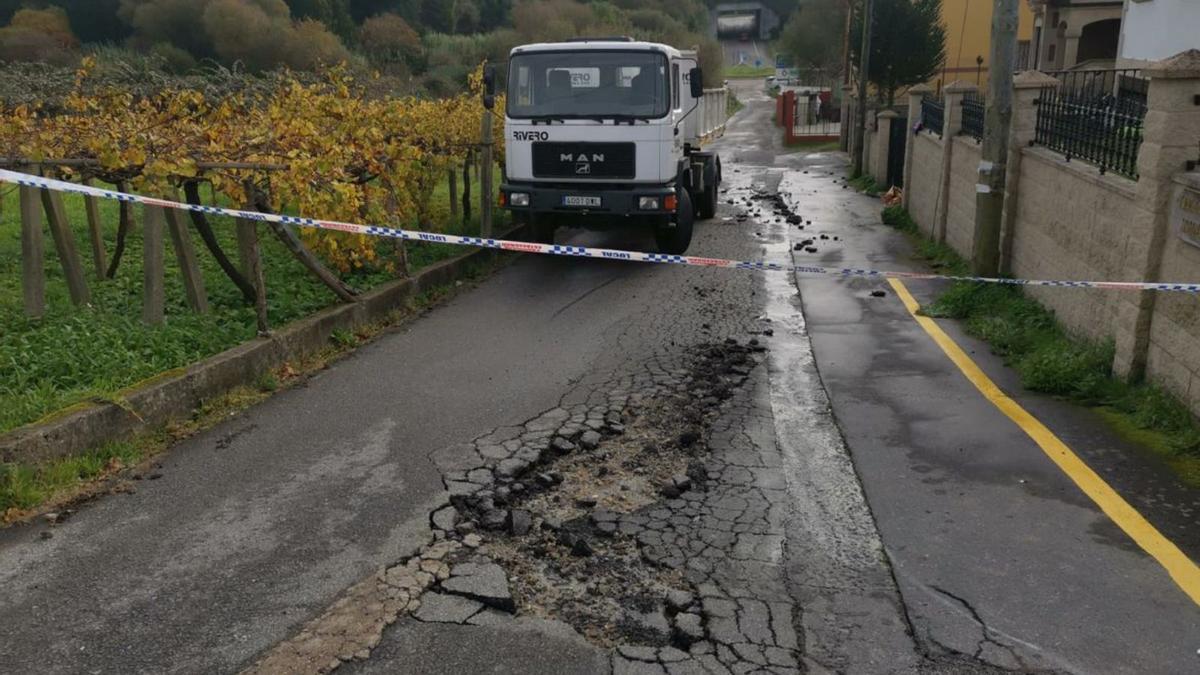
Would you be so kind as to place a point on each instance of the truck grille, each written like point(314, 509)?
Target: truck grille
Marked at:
point(583, 160)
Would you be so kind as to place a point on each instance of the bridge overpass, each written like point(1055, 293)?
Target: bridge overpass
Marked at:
point(743, 29)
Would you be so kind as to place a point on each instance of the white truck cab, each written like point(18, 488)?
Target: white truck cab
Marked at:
point(604, 131)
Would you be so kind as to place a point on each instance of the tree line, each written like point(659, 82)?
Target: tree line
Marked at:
point(908, 41)
point(431, 43)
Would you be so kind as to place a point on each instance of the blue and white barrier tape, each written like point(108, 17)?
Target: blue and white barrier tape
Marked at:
point(557, 249)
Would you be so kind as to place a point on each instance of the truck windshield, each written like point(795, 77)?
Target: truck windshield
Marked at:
point(588, 84)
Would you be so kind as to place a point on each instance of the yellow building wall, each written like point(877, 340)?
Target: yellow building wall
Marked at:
point(968, 35)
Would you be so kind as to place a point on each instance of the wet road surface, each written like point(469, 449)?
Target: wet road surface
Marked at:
point(858, 507)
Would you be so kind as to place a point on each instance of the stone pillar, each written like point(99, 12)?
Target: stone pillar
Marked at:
point(883, 146)
point(915, 95)
point(952, 124)
point(1168, 142)
point(1070, 48)
point(1027, 87)
point(846, 118)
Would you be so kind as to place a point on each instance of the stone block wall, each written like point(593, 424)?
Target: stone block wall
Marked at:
point(924, 185)
point(1073, 223)
point(1174, 354)
point(960, 213)
point(1068, 221)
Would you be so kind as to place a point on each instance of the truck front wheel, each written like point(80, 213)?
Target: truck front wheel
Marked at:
point(675, 239)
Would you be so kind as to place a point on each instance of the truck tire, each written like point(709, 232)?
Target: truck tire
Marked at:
point(675, 240)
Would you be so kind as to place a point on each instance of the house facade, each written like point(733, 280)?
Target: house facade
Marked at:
point(968, 25)
point(1076, 33)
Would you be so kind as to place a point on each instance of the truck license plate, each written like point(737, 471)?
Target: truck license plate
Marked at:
point(572, 200)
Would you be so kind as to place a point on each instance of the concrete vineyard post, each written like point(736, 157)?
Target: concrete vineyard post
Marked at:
point(64, 242)
point(153, 300)
point(33, 273)
point(251, 261)
point(185, 255)
point(96, 232)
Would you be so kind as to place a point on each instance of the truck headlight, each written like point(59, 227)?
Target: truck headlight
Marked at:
point(648, 203)
point(519, 199)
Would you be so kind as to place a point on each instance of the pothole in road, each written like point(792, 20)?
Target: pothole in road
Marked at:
point(571, 506)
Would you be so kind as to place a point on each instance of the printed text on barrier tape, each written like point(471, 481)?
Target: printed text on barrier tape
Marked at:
point(558, 249)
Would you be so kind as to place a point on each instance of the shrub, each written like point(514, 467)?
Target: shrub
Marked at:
point(387, 38)
point(173, 59)
point(39, 35)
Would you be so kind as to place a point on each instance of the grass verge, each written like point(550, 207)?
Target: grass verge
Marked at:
point(77, 354)
point(865, 184)
point(733, 105)
point(743, 71)
point(801, 145)
point(1051, 361)
point(29, 488)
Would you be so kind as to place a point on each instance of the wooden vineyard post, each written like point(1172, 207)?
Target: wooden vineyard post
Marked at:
point(453, 176)
point(64, 242)
point(261, 203)
point(251, 259)
point(153, 300)
point(185, 254)
point(96, 233)
point(393, 211)
point(33, 273)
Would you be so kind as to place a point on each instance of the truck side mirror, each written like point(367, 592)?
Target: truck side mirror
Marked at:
point(489, 80)
point(696, 79)
point(489, 86)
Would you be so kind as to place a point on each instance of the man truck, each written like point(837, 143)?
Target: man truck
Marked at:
point(603, 132)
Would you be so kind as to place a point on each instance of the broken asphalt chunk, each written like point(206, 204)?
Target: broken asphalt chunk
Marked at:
point(483, 582)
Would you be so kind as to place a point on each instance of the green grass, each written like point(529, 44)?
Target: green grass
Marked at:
point(1051, 361)
point(77, 354)
point(938, 256)
point(26, 486)
point(865, 184)
point(801, 145)
point(744, 71)
point(733, 105)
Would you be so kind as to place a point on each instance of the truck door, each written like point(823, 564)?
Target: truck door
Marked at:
point(681, 84)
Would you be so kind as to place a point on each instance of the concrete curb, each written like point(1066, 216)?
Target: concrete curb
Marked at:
point(177, 394)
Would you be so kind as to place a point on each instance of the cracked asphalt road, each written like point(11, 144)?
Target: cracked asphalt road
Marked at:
point(933, 538)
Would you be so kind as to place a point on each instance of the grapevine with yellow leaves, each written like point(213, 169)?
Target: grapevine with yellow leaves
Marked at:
point(339, 155)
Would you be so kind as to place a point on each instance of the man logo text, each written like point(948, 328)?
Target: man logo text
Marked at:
point(581, 157)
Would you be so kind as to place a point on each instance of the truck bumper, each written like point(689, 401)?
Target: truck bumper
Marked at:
point(614, 200)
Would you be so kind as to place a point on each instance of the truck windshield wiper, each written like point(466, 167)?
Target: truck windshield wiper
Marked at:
point(548, 119)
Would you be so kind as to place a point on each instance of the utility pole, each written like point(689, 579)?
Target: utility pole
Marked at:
point(485, 174)
point(485, 150)
point(864, 67)
point(989, 192)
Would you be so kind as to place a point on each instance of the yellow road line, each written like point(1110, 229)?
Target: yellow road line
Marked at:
point(1183, 571)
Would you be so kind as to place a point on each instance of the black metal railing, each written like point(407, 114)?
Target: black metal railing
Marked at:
point(933, 112)
point(1096, 116)
point(972, 116)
